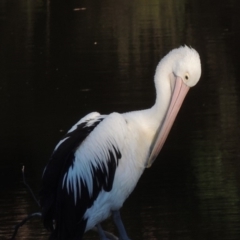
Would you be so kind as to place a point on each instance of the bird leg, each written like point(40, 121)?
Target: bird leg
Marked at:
point(118, 222)
point(101, 233)
point(104, 235)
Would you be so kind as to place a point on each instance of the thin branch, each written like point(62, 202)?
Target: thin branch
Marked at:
point(28, 187)
point(37, 214)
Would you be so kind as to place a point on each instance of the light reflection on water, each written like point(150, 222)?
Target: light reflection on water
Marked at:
point(58, 64)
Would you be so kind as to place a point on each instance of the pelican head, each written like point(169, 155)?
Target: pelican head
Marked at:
point(179, 70)
point(186, 65)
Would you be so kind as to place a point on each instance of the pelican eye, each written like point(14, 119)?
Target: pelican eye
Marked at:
point(186, 77)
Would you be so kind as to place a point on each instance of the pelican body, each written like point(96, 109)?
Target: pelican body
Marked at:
point(97, 164)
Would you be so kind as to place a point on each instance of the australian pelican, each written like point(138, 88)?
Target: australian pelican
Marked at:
point(98, 163)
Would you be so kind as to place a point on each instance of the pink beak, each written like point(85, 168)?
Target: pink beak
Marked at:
point(178, 95)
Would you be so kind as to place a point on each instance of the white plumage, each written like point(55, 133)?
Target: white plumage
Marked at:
point(98, 163)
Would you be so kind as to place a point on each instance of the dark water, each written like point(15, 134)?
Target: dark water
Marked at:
point(62, 59)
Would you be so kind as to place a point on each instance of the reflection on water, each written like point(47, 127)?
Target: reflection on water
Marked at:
point(57, 64)
point(217, 154)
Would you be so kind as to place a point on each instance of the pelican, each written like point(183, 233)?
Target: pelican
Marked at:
point(97, 164)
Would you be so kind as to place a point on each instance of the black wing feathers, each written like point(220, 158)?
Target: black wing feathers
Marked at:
point(58, 202)
point(59, 162)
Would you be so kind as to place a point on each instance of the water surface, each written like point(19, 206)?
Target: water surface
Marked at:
point(61, 60)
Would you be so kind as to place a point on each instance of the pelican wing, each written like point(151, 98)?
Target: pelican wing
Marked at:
point(82, 165)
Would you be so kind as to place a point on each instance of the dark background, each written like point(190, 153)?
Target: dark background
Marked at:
point(60, 60)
